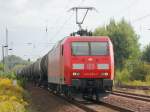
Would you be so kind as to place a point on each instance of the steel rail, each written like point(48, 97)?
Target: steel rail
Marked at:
point(132, 95)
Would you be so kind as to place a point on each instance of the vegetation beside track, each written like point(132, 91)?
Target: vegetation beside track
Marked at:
point(137, 83)
point(11, 94)
point(135, 75)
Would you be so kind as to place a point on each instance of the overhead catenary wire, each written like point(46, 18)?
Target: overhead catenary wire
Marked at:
point(141, 18)
point(62, 26)
point(133, 3)
point(58, 18)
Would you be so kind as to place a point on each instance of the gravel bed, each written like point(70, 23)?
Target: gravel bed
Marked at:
point(135, 105)
point(43, 101)
point(101, 108)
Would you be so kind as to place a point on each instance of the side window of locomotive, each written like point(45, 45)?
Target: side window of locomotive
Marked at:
point(62, 50)
point(80, 48)
point(99, 48)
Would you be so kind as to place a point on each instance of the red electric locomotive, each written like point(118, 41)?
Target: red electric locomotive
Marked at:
point(81, 65)
point(77, 64)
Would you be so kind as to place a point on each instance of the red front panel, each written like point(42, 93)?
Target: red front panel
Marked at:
point(91, 68)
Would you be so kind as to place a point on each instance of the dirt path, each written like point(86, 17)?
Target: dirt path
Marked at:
point(44, 101)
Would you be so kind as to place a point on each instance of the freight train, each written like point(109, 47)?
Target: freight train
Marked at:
point(76, 65)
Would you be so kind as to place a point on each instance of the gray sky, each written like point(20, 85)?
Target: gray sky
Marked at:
point(26, 21)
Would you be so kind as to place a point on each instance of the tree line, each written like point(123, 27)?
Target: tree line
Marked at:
point(131, 64)
point(12, 63)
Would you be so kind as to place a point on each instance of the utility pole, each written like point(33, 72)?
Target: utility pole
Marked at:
point(6, 52)
point(3, 58)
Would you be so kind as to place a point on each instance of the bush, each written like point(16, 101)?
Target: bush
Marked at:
point(140, 72)
point(22, 82)
point(122, 76)
point(137, 83)
point(10, 75)
point(147, 78)
point(135, 73)
point(11, 96)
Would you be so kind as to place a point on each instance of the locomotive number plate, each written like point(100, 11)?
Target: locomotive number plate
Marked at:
point(90, 74)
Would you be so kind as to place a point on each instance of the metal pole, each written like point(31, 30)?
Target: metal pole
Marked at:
point(3, 58)
point(6, 49)
point(76, 16)
point(6, 42)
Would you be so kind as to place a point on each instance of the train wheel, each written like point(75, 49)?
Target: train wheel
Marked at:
point(97, 95)
point(83, 96)
point(110, 89)
point(69, 93)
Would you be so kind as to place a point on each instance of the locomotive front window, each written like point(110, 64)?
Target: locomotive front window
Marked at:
point(80, 48)
point(99, 48)
point(89, 48)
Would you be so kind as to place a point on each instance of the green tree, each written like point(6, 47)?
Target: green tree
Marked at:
point(124, 39)
point(146, 54)
point(11, 61)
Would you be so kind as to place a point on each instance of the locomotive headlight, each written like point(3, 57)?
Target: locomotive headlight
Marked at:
point(103, 66)
point(75, 73)
point(77, 66)
point(104, 74)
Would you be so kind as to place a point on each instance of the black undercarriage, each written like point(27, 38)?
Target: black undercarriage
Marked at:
point(88, 88)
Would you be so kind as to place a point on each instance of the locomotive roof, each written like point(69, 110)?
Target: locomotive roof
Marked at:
point(84, 38)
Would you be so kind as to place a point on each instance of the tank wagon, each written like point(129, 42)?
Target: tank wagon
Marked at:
point(75, 65)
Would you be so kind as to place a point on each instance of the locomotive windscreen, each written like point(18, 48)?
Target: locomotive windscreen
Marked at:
point(89, 48)
point(80, 48)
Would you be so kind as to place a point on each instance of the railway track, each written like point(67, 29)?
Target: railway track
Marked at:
point(132, 95)
point(93, 106)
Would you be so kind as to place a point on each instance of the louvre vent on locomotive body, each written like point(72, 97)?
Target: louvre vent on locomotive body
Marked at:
point(76, 65)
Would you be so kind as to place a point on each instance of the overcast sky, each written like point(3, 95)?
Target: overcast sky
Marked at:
point(27, 20)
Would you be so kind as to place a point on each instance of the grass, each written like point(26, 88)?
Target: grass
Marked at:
point(137, 83)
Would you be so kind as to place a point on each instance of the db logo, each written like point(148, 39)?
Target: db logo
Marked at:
point(90, 59)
